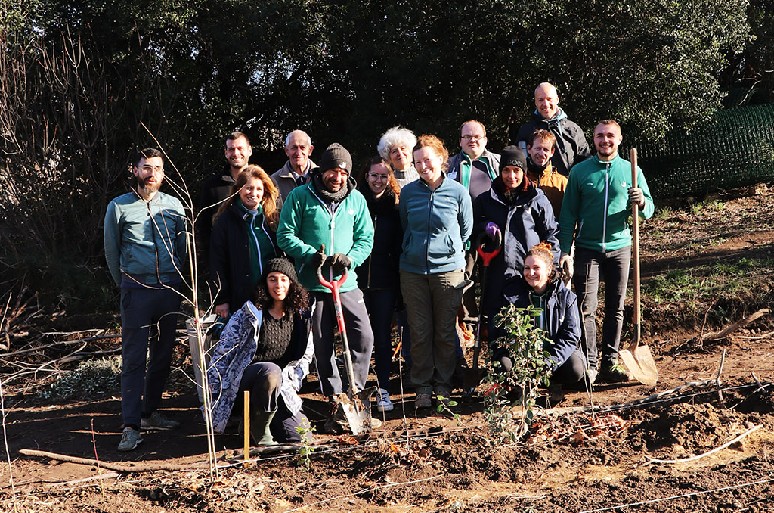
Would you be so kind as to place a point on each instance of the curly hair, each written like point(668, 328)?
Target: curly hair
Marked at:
point(395, 136)
point(542, 251)
point(296, 301)
point(270, 194)
point(431, 141)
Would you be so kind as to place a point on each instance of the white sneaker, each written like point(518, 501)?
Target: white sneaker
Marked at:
point(384, 404)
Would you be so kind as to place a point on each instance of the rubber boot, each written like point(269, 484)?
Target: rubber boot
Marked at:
point(260, 421)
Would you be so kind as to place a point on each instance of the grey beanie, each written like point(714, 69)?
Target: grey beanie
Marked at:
point(512, 156)
point(336, 155)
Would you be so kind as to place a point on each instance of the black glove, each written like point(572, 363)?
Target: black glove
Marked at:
point(339, 263)
point(317, 259)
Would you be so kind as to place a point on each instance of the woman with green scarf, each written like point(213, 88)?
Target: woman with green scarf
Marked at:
point(243, 239)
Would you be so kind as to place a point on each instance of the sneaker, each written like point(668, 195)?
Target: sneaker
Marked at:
point(158, 422)
point(423, 401)
point(130, 439)
point(591, 374)
point(384, 404)
point(613, 374)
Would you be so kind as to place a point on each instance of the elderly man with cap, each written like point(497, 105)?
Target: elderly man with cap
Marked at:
point(518, 215)
point(570, 141)
point(327, 220)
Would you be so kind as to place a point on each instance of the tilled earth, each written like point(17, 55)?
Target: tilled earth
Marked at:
point(702, 440)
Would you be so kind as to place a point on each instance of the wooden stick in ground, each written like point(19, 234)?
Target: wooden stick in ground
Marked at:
point(720, 371)
point(246, 417)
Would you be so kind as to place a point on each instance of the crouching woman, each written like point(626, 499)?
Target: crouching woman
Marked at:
point(558, 316)
point(265, 348)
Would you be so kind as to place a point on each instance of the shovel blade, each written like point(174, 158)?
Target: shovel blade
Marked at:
point(357, 412)
point(640, 364)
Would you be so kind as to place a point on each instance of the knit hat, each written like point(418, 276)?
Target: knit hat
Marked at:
point(336, 155)
point(512, 156)
point(280, 265)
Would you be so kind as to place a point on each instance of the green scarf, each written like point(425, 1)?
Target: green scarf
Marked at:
point(261, 246)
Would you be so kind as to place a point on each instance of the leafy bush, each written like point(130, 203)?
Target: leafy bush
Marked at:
point(91, 379)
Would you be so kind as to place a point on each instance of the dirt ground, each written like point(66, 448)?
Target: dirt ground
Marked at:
point(701, 440)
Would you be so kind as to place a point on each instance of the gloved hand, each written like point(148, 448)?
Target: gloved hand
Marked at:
point(637, 196)
point(493, 232)
point(317, 259)
point(567, 266)
point(339, 263)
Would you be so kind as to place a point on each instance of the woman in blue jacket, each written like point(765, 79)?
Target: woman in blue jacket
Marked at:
point(558, 316)
point(518, 215)
point(437, 218)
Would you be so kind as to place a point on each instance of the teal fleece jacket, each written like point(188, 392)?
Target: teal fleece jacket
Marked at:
point(436, 225)
point(138, 234)
point(306, 223)
point(596, 208)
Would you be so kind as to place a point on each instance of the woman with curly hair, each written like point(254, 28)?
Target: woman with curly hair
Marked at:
point(437, 219)
point(378, 276)
point(243, 239)
point(265, 348)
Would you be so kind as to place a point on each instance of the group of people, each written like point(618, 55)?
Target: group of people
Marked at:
point(405, 235)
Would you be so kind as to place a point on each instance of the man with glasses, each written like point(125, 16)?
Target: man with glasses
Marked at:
point(298, 147)
point(145, 249)
point(474, 167)
point(570, 141)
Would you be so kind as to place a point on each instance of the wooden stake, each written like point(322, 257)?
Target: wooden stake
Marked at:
point(246, 417)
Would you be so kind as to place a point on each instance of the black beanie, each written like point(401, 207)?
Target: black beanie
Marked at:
point(280, 265)
point(512, 156)
point(336, 155)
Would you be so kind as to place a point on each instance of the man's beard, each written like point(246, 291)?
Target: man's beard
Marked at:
point(148, 187)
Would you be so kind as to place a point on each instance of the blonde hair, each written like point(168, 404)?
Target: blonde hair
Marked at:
point(431, 141)
point(542, 251)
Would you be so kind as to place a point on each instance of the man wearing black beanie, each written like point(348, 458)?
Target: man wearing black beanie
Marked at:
point(327, 220)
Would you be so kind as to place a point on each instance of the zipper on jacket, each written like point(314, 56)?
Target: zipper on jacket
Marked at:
point(427, 232)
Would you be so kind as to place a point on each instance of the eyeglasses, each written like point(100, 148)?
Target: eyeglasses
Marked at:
point(382, 178)
point(473, 137)
point(152, 169)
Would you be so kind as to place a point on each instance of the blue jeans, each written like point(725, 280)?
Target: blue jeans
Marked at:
point(381, 306)
point(148, 318)
point(612, 267)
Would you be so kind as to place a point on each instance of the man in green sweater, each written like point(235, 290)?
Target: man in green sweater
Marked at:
point(595, 211)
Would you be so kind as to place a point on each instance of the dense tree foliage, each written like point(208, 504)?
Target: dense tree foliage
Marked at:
point(82, 81)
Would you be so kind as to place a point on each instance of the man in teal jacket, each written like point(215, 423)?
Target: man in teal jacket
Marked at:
point(145, 249)
point(327, 219)
point(595, 211)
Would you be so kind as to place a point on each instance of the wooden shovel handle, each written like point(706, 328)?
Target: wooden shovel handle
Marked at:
point(635, 249)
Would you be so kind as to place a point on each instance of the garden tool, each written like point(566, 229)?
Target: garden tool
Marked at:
point(636, 357)
point(356, 404)
point(472, 376)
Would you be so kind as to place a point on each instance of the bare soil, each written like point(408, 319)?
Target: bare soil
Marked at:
point(592, 452)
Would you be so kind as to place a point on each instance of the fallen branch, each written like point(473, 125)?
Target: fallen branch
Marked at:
point(99, 477)
point(713, 451)
point(735, 326)
point(116, 467)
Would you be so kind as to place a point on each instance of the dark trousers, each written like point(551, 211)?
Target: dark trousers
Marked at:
point(148, 323)
point(381, 307)
point(569, 373)
point(612, 267)
point(264, 380)
point(359, 336)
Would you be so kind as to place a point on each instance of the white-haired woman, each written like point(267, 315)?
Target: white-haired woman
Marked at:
point(396, 146)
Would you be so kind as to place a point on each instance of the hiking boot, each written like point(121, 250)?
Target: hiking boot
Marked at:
point(384, 404)
point(158, 422)
point(423, 401)
point(130, 439)
point(555, 393)
point(613, 374)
